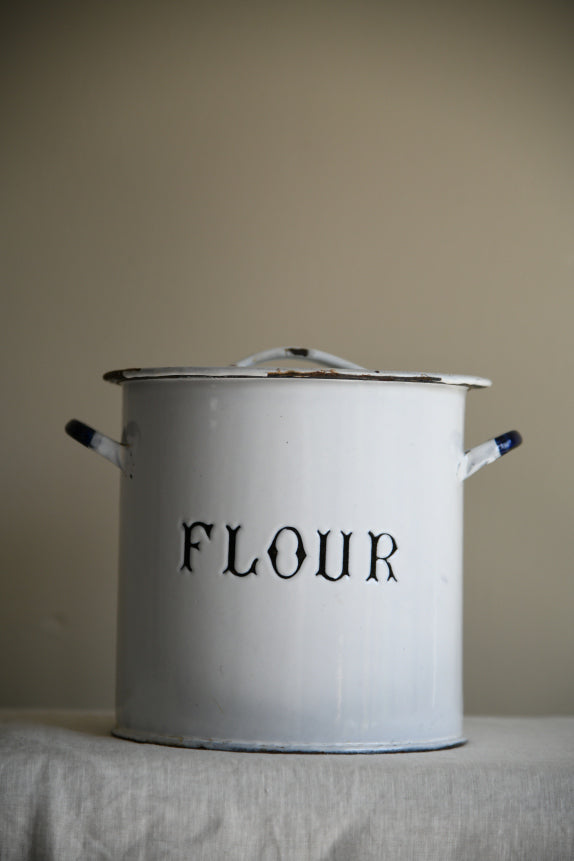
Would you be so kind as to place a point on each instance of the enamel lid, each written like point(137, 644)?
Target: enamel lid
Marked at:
point(333, 368)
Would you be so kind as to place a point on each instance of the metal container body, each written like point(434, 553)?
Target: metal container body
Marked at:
point(291, 564)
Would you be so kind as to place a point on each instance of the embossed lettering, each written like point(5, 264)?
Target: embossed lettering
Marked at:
point(322, 572)
point(299, 553)
point(385, 559)
point(232, 532)
point(287, 552)
point(189, 545)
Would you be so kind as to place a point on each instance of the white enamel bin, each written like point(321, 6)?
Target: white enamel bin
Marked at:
point(291, 555)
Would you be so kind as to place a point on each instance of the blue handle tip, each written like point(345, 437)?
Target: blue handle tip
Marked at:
point(507, 441)
point(80, 432)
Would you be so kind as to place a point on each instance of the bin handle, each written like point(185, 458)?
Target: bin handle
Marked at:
point(488, 452)
point(118, 453)
point(328, 360)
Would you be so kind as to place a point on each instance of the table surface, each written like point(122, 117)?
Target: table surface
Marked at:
point(70, 790)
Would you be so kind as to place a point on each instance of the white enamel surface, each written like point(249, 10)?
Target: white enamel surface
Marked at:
point(208, 658)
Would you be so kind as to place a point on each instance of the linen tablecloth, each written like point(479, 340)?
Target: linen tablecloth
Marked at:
point(68, 790)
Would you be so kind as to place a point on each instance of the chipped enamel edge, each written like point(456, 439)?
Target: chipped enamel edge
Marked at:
point(238, 372)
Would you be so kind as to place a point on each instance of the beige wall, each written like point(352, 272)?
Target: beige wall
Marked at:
point(181, 186)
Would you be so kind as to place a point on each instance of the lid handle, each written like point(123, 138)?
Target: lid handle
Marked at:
point(317, 356)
